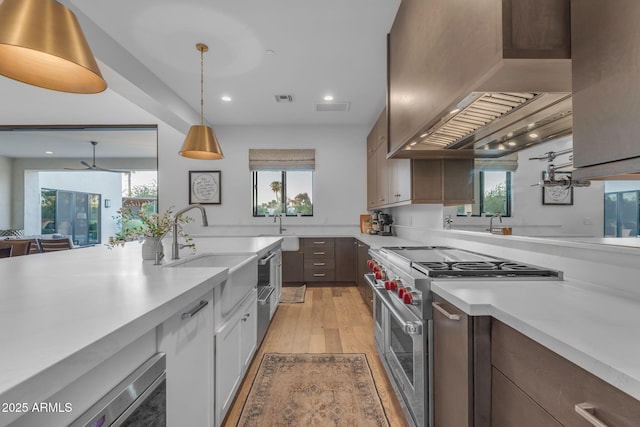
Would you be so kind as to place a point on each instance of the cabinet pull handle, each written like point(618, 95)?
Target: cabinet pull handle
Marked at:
point(318, 243)
point(319, 274)
point(318, 253)
point(319, 263)
point(196, 309)
point(245, 317)
point(446, 314)
point(587, 411)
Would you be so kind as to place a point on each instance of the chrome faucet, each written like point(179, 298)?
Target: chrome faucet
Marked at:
point(499, 215)
point(175, 246)
point(277, 217)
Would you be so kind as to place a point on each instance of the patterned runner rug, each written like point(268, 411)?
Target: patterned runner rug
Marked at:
point(293, 295)
point(313, 390)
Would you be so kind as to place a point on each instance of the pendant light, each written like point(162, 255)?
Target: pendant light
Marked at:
point(42, 44)
point(201, 142)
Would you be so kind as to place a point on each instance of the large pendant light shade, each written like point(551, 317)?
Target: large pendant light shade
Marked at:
point(42, 44)
point(201, 142)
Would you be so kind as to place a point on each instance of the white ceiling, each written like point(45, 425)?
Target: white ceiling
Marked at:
point(321, 47)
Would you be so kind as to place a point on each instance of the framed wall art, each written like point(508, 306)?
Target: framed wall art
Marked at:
point(559, 194)
point(204, 187)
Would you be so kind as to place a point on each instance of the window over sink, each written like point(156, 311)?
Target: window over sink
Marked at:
point(492, 194)
point(282, 181)
point(282, 192)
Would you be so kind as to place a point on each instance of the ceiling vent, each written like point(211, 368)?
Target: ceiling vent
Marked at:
point(333, 106)
point(284, 98)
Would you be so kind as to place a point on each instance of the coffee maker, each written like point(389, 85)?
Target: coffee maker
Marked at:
point(385, 222)
point(375, 227)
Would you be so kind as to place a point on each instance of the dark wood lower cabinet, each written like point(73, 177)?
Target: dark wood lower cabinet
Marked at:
point(461, 367)
point(556, 384)
point(345, 259)
point(512, 407)
point(293, 266)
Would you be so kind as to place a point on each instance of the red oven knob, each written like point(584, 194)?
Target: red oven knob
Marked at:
point(407, 298)
point(401, 292)
point(370, 264)
point(390, 285)
point(380, 275)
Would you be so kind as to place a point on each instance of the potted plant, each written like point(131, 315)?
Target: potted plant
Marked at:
point(148, 227)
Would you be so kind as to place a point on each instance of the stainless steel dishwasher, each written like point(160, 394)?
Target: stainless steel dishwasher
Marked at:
point(265, 293)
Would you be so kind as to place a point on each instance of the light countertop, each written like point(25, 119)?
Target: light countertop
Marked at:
point(63, 313)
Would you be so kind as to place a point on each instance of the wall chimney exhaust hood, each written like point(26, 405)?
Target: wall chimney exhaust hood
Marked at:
point(482, 79)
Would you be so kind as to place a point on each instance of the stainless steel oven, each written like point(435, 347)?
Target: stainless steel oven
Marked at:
point(404, 351)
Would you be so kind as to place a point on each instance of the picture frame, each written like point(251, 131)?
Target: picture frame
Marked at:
point(205, 187)
point(558, 195)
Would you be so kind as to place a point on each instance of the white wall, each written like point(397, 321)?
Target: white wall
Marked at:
point(6, 169)
point(530, 217)
point(339, 193)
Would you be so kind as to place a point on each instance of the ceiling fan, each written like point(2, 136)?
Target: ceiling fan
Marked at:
point(93, 166)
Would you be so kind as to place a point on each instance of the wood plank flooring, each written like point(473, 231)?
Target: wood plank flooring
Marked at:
point(333, 319)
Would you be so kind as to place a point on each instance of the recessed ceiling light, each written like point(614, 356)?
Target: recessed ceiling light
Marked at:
point(533, 135)
point(328, 98)
point(510, 134)
point(226, 98)
point(511, 143)
point(48, 152)
point(501, 147)
point(407, 148)
point(455, 110)
point(424, 135)
point(530, 125)
point(413, 143)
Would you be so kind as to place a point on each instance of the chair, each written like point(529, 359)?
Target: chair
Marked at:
point(35, 247)
point(53, 245)
point(5, 251)
point(19, 247)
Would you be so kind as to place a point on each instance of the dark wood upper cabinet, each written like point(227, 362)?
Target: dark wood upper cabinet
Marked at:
point(606, 95)
point(441, 51)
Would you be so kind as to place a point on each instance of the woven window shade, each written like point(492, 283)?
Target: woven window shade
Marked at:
point(505, 163)
point(282, 159)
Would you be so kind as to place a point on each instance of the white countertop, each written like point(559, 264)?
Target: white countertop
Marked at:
point(63, 313)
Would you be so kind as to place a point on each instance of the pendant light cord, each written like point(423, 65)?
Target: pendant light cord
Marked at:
point(202, 86)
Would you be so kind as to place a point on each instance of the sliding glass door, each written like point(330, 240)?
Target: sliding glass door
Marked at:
point(73, 214)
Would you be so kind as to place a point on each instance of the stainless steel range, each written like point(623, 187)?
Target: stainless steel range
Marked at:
point(401, 280)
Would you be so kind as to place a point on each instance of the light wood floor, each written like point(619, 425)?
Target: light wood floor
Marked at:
point(331, 320)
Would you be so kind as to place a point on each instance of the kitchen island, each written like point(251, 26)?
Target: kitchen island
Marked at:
point(65, 313)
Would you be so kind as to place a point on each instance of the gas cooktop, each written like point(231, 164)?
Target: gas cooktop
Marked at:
point(450, 263)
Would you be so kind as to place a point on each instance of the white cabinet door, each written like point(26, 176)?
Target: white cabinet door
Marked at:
point(249, 334)
point(235, 343)
point(228, 365)
point(187, 340)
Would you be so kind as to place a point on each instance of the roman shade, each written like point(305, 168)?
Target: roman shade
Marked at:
point(282, 159)
point(505, 163)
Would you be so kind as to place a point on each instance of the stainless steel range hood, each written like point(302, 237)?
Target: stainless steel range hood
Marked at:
point(494, 124)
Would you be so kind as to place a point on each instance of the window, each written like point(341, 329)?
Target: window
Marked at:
point(492, 194)
point(276, 192)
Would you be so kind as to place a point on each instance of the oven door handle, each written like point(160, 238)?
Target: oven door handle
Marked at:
point(410, 326)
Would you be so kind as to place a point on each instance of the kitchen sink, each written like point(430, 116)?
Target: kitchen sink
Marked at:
point(243, 275)
point(289, 243)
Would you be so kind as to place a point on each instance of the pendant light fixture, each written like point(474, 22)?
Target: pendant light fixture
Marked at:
point(42, 44)
point(201, 142)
